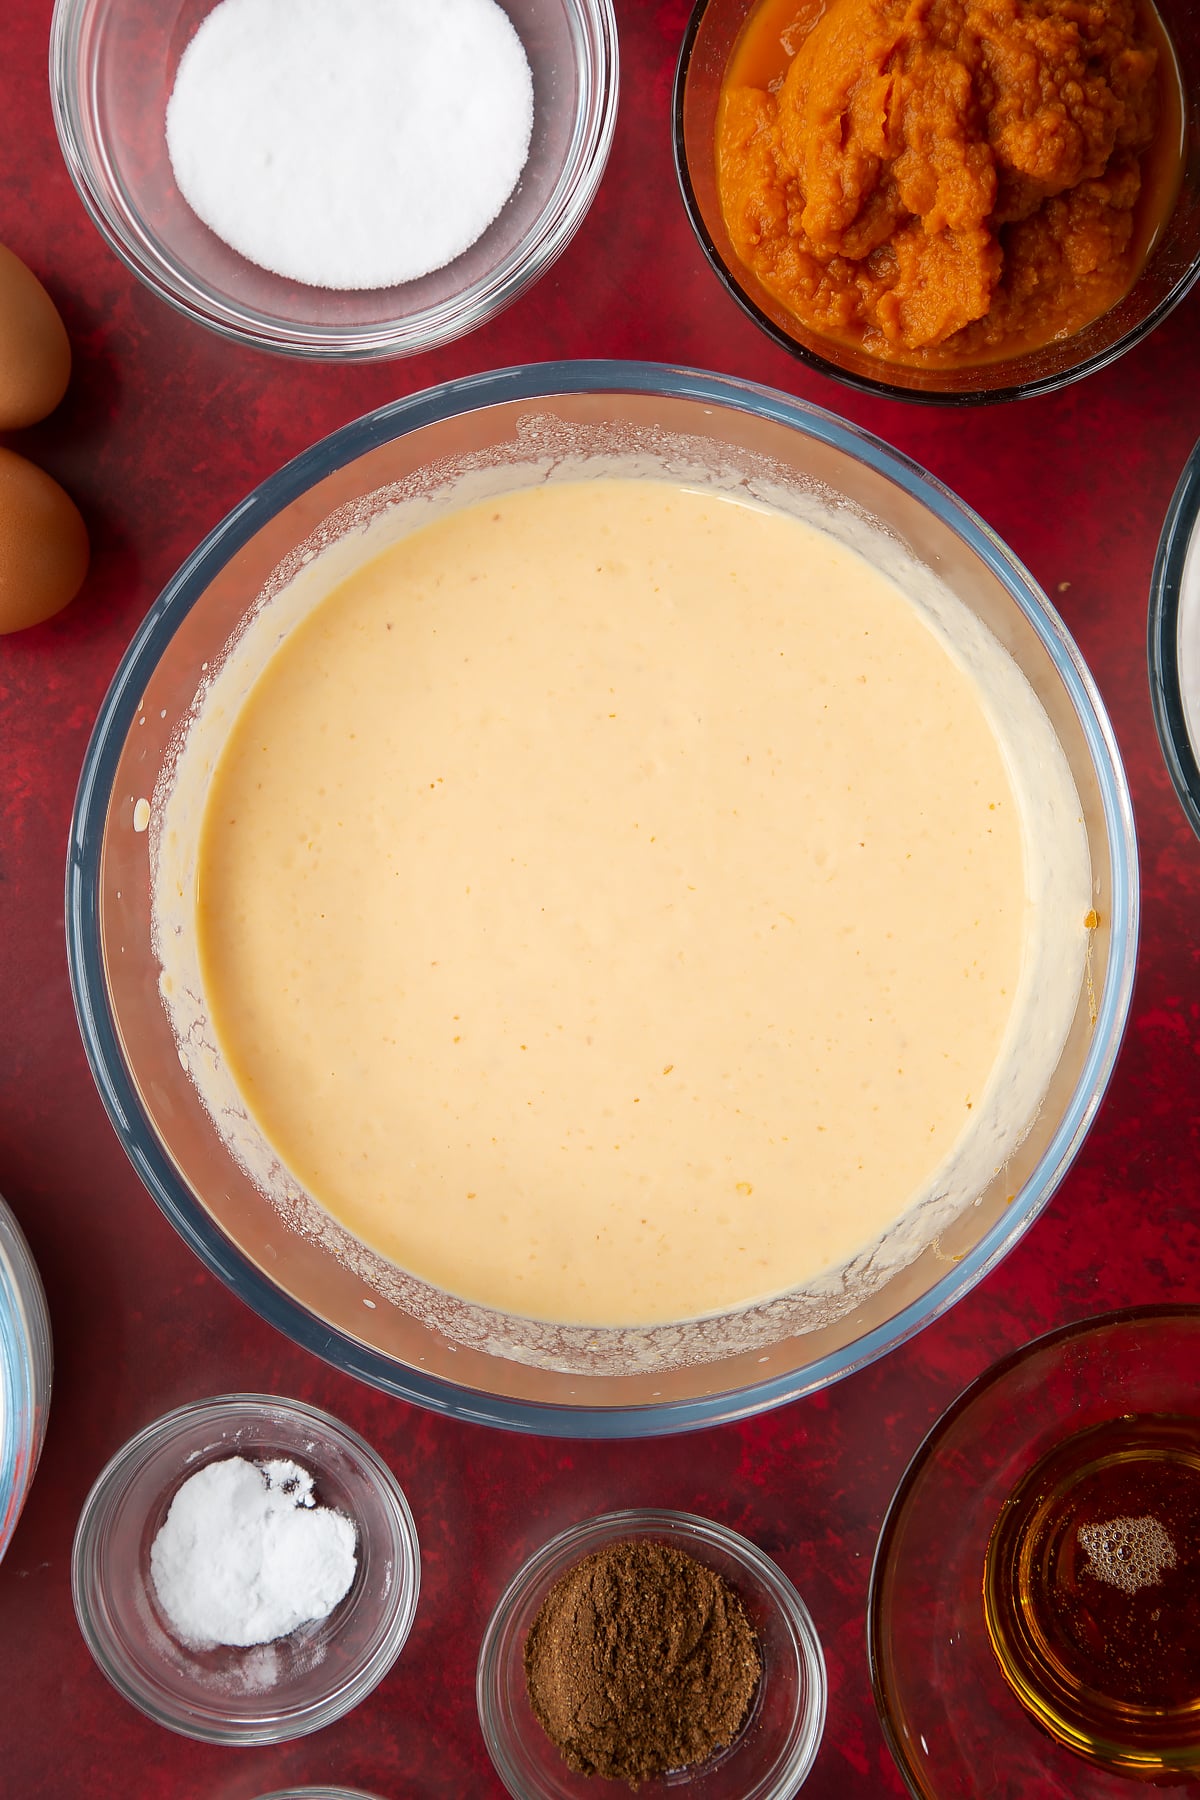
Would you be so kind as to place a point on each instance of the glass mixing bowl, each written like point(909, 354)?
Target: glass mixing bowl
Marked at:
point(112, 69)
point(1170, 270)
point(409, 1339)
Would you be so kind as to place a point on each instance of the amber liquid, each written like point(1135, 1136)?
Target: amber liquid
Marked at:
point(1092, 1594)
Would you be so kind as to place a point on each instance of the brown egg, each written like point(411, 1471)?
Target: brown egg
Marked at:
point(43, 544)
point(35, 357)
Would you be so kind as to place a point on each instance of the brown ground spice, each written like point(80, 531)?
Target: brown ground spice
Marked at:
point(640, 1660)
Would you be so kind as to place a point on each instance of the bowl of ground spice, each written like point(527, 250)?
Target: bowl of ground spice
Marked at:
point(655, 1650)
point(958, 202)
point(336, 178)
point(245, 1570)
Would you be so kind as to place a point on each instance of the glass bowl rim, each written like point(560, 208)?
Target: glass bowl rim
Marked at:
point(570, 1545)
point(1181, 529)
point(321, 1791)
point(993, 1376)
point(26, 1370)
point(870, 384)
point(595, 43)
point(118, 709)
point(276, 1726)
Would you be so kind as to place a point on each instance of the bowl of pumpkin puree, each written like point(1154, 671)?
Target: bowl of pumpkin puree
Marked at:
point(965, 200)
point(528, 940)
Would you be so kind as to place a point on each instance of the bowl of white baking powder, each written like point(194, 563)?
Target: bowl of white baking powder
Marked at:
point(363, 179)
point(245, 1569)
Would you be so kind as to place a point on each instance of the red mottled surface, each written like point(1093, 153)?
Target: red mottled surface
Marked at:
point(164, 428)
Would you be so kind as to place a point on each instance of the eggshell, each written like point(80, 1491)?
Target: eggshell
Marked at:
point(35, 356)
point(43, 544)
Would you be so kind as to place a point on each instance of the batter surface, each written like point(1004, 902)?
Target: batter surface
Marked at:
point(611, 902)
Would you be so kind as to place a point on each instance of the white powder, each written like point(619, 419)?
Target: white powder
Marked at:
point(245, 1555)
point(351, 143)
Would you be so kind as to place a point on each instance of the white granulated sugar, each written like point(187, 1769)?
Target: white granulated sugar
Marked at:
point(351, 143)
point(245, 1555)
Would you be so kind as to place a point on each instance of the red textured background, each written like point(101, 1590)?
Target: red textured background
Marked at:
point(164, 429)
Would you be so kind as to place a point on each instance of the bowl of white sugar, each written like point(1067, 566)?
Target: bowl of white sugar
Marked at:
point(245, 1569)
point(602, 899)
point(336, 178)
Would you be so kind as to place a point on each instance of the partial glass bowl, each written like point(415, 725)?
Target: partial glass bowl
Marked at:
point(318, 1793)
point(414, 1340)
point(263, 1694)
point(112, 69)
point(776, 1747)
point(1174, 640)
point(26, 1368)
point(1171, 269)
point(952, 1722)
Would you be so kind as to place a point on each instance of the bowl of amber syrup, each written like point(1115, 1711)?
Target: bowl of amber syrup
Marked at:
point(1037, 1576)
point(941, 210)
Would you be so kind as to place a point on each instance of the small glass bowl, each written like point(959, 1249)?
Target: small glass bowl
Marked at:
point(1174, 640)
point(25, 1371)
point(318, 1793)
point(267, 1693)
point(776, 1748)
point(112, 68)
point(1171, 269)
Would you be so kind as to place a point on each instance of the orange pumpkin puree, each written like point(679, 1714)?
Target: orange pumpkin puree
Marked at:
point(944, 182)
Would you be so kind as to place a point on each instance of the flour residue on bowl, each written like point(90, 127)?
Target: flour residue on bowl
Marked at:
point(689, 1202)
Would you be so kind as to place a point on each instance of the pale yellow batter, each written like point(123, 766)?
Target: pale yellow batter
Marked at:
point(611, 902)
